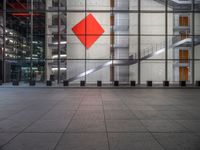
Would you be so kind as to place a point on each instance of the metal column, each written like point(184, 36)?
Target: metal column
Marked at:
point(59, 39)
point(4, 41)
point(31, 48)
point(193, 41)
point(166, 40)
point(139, 41)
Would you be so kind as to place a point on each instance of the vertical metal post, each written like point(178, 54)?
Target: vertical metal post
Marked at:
point(166, 40)
point(112, 50)
point(46, 41)
point(31, 48)
point(139, 42)
point(86, 41)
point(4, 42)
point(66, 63)
point(59, 38)
point(193, 41)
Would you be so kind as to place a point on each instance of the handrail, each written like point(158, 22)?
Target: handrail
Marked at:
point(182, 1)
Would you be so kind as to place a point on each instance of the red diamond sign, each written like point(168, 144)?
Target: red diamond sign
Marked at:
point(88, 31)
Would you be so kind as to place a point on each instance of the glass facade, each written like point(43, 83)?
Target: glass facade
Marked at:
point(106, 40)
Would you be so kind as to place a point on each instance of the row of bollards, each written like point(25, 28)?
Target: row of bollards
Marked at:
point(132, 83)
point(99, 83)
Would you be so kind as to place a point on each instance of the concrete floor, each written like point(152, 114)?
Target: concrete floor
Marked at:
point(99, 119)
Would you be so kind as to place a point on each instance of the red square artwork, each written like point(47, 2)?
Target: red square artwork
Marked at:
point(88, 31)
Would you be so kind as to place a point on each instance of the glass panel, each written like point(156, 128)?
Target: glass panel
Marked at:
point(153, 23)
point(17, 70)
point(122, 73)
point(133, 4)
point(18, 8)
point(52, 70)
point(197, 5)
point(75, 4)
point(39, 5)
point(152, 5)
point(133, 72)
point(197, 70)
point(98, 5)
point(152, 70)
point(38, 70)
point(197, 24)
point(170, 73)
point(75, 49)
point(1, 6)
point(98, 39)
point(76, 71)
point(1, 28)
point(197, 47)
point(153, 47)
point(39, 22)
point(133, 23)
point(98, 70)
point(180, 5)
point(18, 43)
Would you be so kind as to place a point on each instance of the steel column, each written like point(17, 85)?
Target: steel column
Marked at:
point(31, 48)
point(193, 41)
point(166, 40)
point(139, 42)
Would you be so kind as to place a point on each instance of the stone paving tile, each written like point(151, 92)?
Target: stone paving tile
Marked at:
point(115, 107)
point(83, 141)
point(89, 114)
point(125, 126)
point(164, 107)
point(6, 113)
point(91, 107)
point(9, 126)
point(178, 141)
point(133, 141)
point(163, 126)
point(119, 115)
point(198, 134)
point(48, 126)
point(6, 137)
point(27, 115)
point(33, 141)
point(86, 126)
point(58, 115)
point(92, 102)
point(65, 107)
point(179, 115)
point(138, 107)
point(191, 125)
point(150, 115)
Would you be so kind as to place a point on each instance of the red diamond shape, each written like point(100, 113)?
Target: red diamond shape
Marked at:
point(92, 33)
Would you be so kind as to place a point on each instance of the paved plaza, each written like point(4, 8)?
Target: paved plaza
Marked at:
point(99, 119)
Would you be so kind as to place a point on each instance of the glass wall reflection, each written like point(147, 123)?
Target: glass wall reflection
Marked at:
point(95, 40)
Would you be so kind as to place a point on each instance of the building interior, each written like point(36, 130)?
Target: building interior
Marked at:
point(118, 40)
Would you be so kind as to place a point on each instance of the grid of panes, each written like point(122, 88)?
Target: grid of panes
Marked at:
point(143, 40)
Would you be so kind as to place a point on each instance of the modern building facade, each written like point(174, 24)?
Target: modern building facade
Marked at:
point(105, 40)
